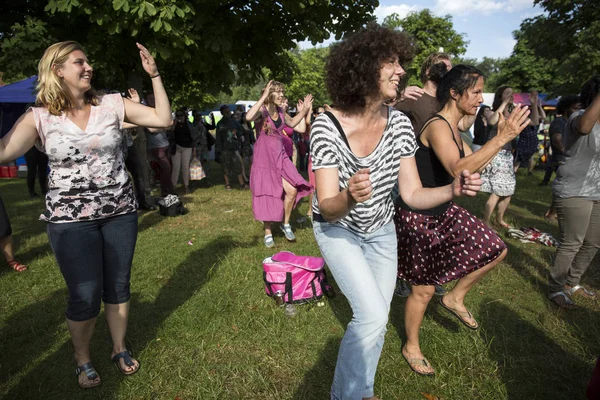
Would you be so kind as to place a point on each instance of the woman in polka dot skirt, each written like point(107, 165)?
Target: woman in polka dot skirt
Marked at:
point(447, 243)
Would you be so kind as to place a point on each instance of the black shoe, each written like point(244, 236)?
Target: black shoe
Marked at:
point(146, 206)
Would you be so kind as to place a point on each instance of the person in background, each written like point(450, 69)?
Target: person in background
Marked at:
point(480, 131)
point(528, 143)
point(275, 182)
point(576, 192)
point(158, 147)
point(185, 136)
point(566, 106)
point(360, 151)
point(499, 175)
point(132, 160)
point(6, 241)
point(247, 138)
point(37, 164)
point(91, 215)
point(228, 140)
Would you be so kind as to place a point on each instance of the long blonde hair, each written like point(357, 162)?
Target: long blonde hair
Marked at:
point(52, 94)
point(275, 87)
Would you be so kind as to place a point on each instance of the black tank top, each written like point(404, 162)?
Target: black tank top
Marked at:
point(431, 170)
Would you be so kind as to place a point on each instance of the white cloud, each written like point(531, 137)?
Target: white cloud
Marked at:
point(482, 7)
point(402, 10)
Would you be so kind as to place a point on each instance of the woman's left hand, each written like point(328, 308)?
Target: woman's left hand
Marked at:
point(147, 61)
point(133, 95)
point(466, 184)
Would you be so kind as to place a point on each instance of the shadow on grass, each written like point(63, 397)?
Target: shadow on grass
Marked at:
point(531, 365)
point(145, 320)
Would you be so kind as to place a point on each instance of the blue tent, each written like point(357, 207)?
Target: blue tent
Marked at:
point(14, 99)
point(19, 92)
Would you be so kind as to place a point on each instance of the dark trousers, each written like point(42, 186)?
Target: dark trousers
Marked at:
point(95, 259)
point(550, 169)
point(166, 185)
point(37, 163)
point(134, 166)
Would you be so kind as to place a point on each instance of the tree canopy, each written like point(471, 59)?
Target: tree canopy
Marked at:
point(565, 39)
point(431, 34)
point(201, 46)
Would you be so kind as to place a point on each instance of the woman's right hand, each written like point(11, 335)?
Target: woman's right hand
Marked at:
point(509, 128)
point(359, 186)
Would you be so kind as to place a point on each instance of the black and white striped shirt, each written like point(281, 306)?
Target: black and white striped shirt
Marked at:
point(328, 149)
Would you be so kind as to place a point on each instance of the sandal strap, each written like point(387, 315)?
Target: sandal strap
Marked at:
point(566, 298)
point(126, 356)
point(419, 361)
point(89, 370)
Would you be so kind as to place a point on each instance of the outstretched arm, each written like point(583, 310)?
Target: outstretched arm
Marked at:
point(419, 198)
point(139, 114)
point(438, 136)
point(19, 139)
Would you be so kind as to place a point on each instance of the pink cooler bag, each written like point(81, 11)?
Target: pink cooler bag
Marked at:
point(295, 279)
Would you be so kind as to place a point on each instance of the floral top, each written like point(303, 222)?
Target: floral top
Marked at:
point(88, 179)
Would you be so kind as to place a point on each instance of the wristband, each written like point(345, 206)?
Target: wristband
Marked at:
point(155, 76)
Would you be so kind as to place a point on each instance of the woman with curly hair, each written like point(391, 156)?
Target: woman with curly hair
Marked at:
point(275, 182)
point(361, 150)
point(90, 204)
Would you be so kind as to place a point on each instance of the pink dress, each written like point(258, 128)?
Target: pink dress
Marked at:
point(269, 165)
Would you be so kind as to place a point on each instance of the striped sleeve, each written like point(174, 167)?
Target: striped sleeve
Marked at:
point(404, 135)
point(323, 148)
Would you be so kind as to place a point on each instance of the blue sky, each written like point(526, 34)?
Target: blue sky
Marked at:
point(487, 24)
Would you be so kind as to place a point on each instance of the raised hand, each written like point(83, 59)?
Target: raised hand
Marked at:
point(359, 186)
point(147, 61)
point(308, 100)
point(265, 92)
point(509, 128)
point(466, 184)
point(133, 95)
point(411, 92)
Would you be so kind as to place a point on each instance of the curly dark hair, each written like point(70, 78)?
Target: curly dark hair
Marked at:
point(589, 91)
point(460, 78)
point(354, 64)
point(566, 102)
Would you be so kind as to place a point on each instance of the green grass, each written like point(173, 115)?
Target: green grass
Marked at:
point(204, 329)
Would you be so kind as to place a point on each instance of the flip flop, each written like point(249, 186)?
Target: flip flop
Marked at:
point(412, 362)
point(580, 291)
point(90, 373)
point(127, 357)
point(461, 315)
point(561, 300)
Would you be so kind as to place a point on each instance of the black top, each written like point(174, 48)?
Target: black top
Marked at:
point(183, 135)
point(431, 170)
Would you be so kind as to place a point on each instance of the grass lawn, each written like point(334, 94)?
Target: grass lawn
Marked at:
point(203, 327)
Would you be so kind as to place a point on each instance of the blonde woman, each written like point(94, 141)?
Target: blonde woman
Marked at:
point(275, 182)
point(90, 204)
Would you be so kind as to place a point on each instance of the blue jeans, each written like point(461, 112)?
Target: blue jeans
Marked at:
point(364, 266)
point(95, 259)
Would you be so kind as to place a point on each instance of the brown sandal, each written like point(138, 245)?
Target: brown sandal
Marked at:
point(17, 266)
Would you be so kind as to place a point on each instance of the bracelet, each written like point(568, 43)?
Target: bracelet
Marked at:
point(155, 76)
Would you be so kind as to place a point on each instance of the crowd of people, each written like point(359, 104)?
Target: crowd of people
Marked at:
point(384, 165)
